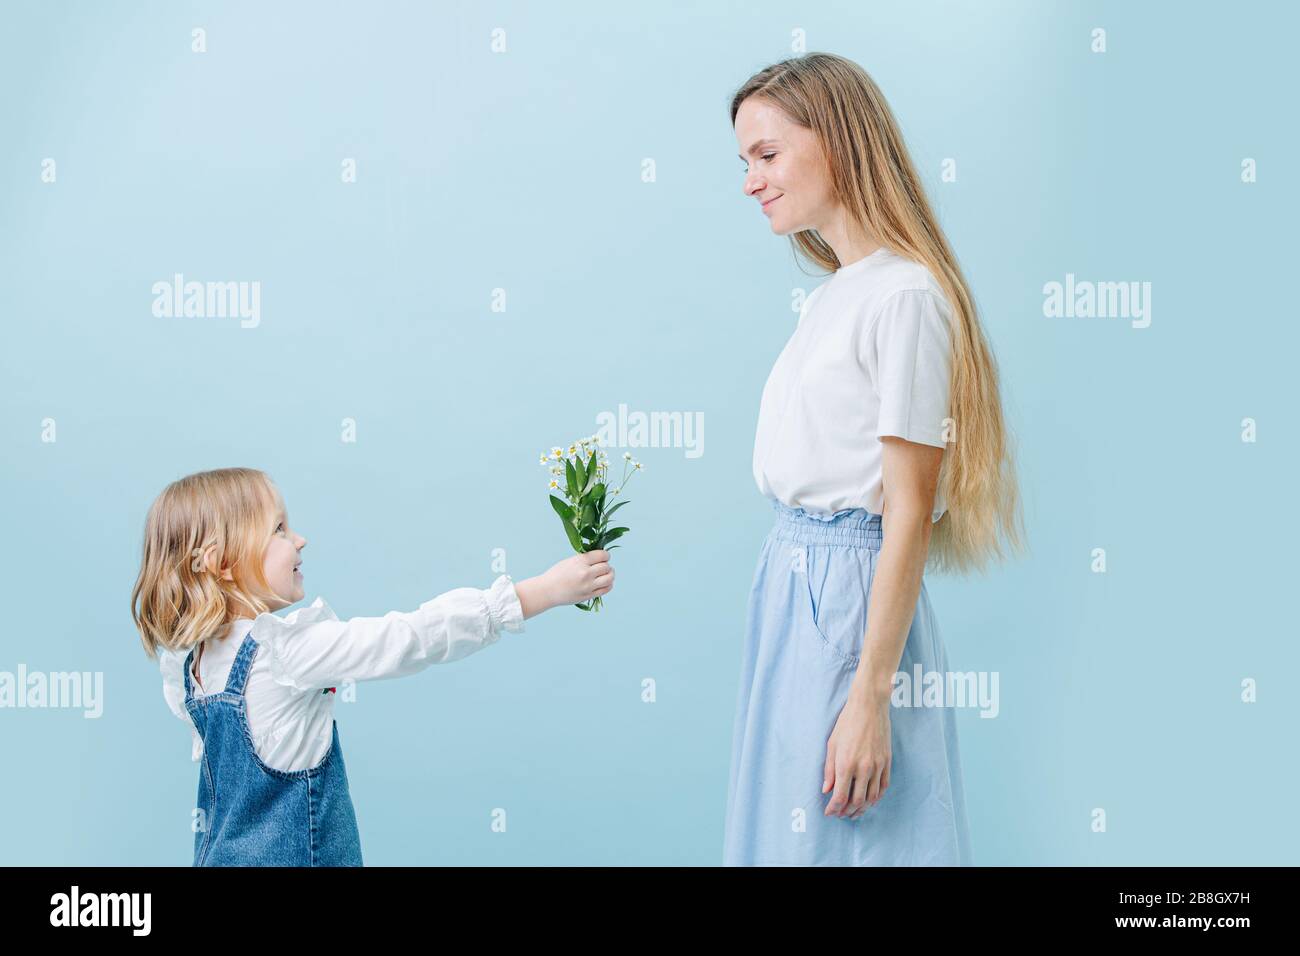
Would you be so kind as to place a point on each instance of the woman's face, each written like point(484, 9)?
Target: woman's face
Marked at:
point(785, 168)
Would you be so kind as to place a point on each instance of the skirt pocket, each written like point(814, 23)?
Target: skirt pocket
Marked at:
point(837, 587)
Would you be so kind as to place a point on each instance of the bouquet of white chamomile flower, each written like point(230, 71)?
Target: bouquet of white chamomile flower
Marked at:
point(582, 474)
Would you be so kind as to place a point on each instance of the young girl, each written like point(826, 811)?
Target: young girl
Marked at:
point(259, 689)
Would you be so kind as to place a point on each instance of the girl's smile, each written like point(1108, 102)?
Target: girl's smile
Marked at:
point(282, 561)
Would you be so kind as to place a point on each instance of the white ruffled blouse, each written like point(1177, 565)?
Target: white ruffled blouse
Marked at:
point(308, 650)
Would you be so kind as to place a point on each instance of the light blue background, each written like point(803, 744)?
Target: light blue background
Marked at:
point(522, 171)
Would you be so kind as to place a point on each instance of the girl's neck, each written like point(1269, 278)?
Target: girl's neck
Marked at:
point(238, 611)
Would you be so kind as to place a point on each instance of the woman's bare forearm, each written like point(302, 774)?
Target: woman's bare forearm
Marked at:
point(894, 592)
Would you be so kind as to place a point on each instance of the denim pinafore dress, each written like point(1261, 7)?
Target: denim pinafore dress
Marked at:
point(255, 815)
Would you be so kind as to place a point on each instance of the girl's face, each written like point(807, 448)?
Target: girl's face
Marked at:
point(281, 560)
point(785, 169)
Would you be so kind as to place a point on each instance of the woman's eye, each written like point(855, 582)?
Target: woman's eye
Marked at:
point(769, 156)
point(279, 527)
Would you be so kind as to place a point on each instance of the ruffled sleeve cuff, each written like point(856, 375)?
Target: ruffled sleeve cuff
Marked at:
point(272, 631)
point(504, 610)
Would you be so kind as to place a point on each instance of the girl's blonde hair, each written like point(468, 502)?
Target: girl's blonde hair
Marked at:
point(874, 180)
point(199, 525)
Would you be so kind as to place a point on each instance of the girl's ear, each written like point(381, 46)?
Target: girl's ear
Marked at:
point(203, 561)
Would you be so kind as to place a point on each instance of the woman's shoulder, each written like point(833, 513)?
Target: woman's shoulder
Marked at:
point(906, 291)
point(899, 274)
point(891, 277)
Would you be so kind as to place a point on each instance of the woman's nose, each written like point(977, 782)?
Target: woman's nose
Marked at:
point(752, 184)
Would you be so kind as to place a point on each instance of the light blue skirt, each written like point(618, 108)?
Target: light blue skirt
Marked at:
point(807, 617)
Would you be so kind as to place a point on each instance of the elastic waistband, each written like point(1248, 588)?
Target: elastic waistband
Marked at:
point(855, 527)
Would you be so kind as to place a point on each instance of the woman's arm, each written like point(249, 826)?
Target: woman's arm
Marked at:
point(859, 753)
point(911, 481)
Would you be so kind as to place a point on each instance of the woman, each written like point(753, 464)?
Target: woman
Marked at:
point(882, 446)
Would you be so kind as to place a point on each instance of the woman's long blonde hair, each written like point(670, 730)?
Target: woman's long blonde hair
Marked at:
point(198, 526)
point(875, 181)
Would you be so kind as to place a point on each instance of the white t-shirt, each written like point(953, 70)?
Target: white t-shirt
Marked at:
point(869, 357)
point(300, 655)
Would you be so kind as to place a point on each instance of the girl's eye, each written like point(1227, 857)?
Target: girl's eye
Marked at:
point(279, 527)
point(766, 156)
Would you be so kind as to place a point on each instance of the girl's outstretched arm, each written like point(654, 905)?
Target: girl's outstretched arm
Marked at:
point(310, 648)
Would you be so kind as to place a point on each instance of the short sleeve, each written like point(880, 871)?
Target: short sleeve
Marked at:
point(312, 648)
point(909, 358)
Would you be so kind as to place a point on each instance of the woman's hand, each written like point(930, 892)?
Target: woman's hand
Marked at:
point(858, 755)
point(571, 581)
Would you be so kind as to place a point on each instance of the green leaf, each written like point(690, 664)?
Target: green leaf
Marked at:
point(563, 510)
point(581, 473)
point(591, 475)
point(584, 607)
point(587, 517)
point(616, 507)
point(574, 539)
point(610, 535)
point(571, 478)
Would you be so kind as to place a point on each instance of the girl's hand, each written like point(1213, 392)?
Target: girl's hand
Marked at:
point(858, 755)
point(571, 581)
